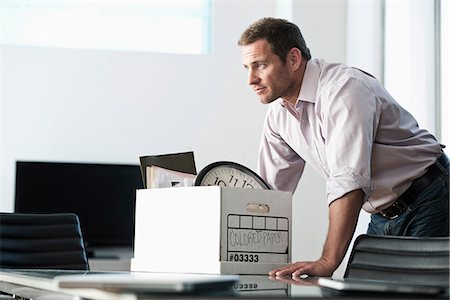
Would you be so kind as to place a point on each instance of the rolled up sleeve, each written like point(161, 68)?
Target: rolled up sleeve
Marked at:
point(349, 128)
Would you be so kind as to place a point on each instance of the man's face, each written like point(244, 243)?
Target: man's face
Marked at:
point(269, 77)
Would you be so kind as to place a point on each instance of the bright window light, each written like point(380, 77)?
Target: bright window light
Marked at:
point(151, 26)
point(410, 72)
point(445, 78)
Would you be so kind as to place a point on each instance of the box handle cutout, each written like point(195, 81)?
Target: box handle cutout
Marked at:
point(258, 208)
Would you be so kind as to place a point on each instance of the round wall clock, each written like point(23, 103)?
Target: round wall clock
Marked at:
point(230, 174)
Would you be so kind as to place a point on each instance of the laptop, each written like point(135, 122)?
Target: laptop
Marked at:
point(379, 286)
point(104, 283)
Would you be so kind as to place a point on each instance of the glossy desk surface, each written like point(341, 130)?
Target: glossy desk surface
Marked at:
point(249, 287)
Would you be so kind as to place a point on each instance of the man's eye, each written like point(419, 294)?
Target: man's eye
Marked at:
point(260, 65)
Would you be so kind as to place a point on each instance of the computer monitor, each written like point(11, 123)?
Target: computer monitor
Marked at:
point(102, 195)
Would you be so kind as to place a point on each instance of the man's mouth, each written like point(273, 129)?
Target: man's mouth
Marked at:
point(259, 90)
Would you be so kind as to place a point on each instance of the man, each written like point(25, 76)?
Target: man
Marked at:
point(345, 124)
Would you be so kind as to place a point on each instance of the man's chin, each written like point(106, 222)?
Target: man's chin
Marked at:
point(265, 100)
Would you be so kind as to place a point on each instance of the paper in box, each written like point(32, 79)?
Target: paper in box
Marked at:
point(212, 229)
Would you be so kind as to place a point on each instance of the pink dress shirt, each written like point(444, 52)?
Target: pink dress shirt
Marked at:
point(350, 130)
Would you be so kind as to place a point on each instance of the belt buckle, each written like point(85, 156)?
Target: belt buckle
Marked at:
point(399, 206)
point(389, 217)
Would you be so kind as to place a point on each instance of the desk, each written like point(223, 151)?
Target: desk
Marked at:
point(249, 287)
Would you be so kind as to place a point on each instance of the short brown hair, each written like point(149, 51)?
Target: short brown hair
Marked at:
point(281, 35)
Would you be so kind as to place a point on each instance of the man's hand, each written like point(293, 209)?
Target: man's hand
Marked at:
point(317, 268)
point(343, 216)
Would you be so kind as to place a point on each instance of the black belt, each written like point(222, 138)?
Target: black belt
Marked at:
point(417, 187)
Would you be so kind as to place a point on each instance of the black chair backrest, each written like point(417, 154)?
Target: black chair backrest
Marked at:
point(41, 241)
point(400, 259)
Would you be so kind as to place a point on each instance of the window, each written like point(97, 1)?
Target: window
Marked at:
point(444, 71)
point(156, 26)
point(410, 58)
point(416, 61)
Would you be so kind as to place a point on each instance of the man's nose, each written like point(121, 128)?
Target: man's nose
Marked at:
point(252, 78)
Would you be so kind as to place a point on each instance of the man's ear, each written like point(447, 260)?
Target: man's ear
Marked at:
point(295, 58)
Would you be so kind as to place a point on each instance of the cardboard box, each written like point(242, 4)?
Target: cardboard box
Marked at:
point(212, 229)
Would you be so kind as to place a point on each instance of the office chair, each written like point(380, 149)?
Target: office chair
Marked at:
point(41, 241)
point(400, 259)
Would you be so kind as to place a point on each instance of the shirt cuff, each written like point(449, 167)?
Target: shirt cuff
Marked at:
point(343, 182)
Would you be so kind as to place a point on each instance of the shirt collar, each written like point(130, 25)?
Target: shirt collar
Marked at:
point(309, 84)
point(310, 80)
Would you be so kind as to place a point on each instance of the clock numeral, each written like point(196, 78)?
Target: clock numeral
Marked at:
point(219, 182)
point(249, 185)
point(235, 180)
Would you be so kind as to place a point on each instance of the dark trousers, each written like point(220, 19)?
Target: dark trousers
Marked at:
point(427, 216)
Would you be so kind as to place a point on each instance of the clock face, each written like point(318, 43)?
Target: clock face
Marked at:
point(230, 174)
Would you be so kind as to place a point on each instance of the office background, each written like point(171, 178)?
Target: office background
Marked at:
point(76, 105)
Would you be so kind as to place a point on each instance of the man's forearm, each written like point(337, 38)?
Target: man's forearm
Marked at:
point(343, 217)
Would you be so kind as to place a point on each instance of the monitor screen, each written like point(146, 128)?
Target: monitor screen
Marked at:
point(102, 195)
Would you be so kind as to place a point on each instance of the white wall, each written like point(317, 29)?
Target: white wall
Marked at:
point(98, 106)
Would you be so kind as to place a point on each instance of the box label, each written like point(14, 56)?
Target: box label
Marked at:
point(257, 239)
